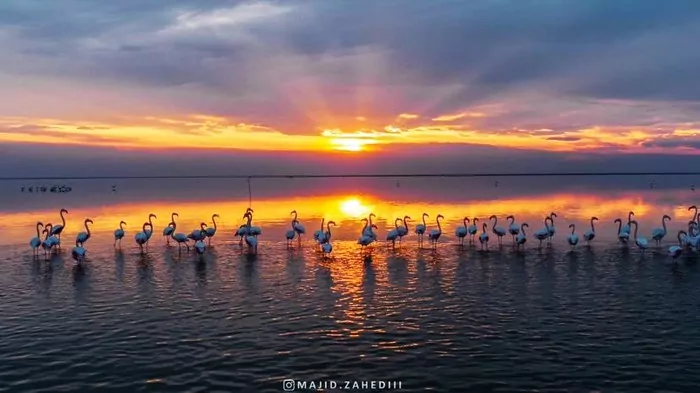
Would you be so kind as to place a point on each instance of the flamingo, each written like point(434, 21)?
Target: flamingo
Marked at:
point(48, 242)
point(627, 228)
point(513, 228)
point(298, 228)
point(473, 229)
point(573, 237)
point(403, 230)
point(78, 253)
point(243, 229)
point(551, 229)
point(210, 232)
point(319, 232)
point(543, 233)
point(695, 215)
point(181, 239)
point(484, 237)
point(420, 229)
point(462, 231)
point(435, 234)
point(691, 239)
point(372, 227)
point(521, 238)
point(590, 235)
point(141, 238)
point(56, 231)
point(393, 234)
point(84, 236)
point(149, 232)
point(119, 234)
point(251, 240)
point(641, 242)
point(35, 242)
point(325, 237)
point(199, 234)
point(675, 251)
point(252, 230)
point(290, 235)
point(327, 234)
point(622, 236)
point(498, 231)
point(168, 231)
point(657, 234)
point(365, 239)
point(200, 247)
point(327, 248)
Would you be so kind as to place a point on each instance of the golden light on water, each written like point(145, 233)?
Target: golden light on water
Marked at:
point(347, 211)
point(353, 207)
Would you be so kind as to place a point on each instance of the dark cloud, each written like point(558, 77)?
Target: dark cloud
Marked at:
point(564, 138)
point(672, 142)
point(622, 49)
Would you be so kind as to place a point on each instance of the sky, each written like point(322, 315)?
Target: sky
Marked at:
point(211, 86)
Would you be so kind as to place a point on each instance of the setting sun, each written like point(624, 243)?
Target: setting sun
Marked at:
point(353, 207)
point(350, 144)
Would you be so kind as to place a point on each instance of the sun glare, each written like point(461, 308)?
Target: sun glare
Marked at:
point(350, 144)
point(353, 207)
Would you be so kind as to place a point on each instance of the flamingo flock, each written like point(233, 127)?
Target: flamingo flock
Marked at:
point(48, 236)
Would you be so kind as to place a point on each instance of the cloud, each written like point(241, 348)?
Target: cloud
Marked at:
point(595, 76)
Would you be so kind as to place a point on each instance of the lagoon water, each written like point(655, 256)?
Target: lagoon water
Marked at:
point(603, 318)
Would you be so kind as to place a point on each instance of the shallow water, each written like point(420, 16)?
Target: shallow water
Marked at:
point(605, 318)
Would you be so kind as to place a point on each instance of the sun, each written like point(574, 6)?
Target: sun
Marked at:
point(353, 207)
point(350, 144)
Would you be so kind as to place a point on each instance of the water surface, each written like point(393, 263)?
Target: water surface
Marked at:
point(605, 317)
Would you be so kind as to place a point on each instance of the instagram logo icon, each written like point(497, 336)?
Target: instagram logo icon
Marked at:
point(288, 385)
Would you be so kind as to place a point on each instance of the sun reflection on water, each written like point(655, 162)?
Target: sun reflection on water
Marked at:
point(347, 210)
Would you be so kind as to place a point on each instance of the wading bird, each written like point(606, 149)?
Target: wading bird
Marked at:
point(119, 234)
point(58, 229)
point(590, 235)
point(35, 242)
point(84, 236)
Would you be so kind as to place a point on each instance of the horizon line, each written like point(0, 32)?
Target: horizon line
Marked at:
point(382, 175)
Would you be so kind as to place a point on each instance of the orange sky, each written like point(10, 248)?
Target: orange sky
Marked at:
point(362, 134)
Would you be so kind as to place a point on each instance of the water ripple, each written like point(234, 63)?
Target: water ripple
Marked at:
point(452, 320)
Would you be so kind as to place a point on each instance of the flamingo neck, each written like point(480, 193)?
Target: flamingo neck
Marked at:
point(495, 221)
point(592, 227)
point(323, 221)
point(573, 229)
point(405, 224)
point(424, 220)
point(663, 223)
point(63, 219)
point(87, 228)
point(437, 220)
